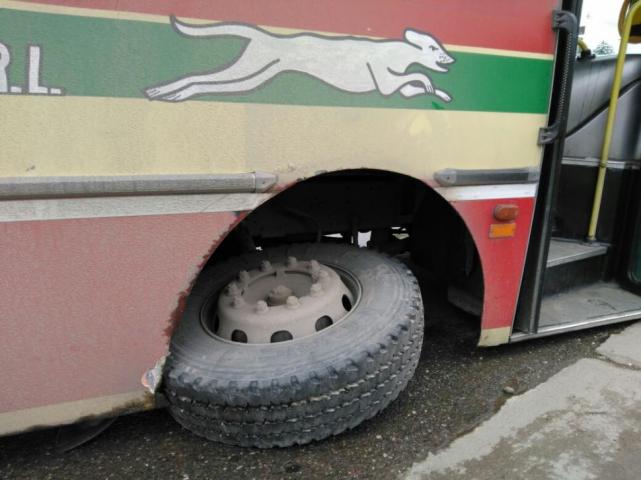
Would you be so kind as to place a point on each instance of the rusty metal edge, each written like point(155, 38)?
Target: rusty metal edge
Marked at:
point(20, 421)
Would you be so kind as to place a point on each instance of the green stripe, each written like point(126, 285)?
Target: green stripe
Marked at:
point(119, 58)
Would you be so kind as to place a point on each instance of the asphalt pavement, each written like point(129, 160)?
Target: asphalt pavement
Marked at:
point(583, 423)
point(456, 388)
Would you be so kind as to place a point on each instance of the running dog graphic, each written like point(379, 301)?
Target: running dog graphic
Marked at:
point(350, 64)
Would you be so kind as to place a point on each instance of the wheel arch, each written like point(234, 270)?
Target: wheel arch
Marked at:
point(360, 191)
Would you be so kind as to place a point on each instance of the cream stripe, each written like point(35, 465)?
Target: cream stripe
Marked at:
point(76, 136)
point(491, 337)
point(98, 207)
point(145, 17)
point(484, 192)
point(69, 412)
point(499, 52)
point(84, 12)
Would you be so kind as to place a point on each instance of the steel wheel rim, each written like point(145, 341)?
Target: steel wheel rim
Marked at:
point(211, 319)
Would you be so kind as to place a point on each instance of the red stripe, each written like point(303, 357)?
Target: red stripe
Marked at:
point(523, 25)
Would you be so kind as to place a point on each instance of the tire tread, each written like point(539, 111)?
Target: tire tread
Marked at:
point(308, 407)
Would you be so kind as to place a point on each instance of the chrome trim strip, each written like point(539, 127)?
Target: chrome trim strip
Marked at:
point(594, 162)
point(55, 187)
point(452, 177)
point(571, 327)
point(126, 206)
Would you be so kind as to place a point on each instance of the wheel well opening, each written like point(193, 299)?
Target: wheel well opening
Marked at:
point(386, 211)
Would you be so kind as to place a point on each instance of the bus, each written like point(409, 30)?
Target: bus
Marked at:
point(217, 206)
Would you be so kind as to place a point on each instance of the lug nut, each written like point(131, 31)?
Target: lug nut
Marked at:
point(314, 266)
point(278, 295)
point(243, 276)
point(292, 302)
point(280, 291)
point(291, 262)
point(237, 302)
point(232, 289)
point(316, 289)
point(265, 266)
point(261, 306)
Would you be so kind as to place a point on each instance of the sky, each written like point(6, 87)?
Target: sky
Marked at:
point(600, 18)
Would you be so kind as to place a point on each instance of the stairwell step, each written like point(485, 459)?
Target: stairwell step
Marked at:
point(568, 251)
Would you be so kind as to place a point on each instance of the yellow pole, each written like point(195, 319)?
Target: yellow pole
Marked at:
point(582, 45)
point(609, 126)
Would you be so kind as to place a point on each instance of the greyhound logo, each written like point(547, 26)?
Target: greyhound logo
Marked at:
point(350, 64)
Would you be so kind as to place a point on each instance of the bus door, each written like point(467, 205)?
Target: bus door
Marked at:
point(583, 267)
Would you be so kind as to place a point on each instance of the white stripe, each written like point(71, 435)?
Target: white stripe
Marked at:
point(95, 207)
point(487, 192)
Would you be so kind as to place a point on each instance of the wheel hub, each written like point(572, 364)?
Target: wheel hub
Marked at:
point(281, 301)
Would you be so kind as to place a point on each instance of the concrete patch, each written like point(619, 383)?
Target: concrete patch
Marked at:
point(583, 423)
point(624, 347)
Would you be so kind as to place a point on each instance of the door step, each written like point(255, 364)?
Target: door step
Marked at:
point(603, 300)
point(567, 251)
point(573, 263)
point(602, 303)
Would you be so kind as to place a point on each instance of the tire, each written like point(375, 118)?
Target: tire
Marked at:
point(309, 388)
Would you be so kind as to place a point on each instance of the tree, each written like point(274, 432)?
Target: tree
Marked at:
point(603, 48)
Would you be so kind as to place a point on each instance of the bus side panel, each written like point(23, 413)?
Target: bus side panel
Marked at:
point(88, 298)
point(88, 304)
point(100, 97)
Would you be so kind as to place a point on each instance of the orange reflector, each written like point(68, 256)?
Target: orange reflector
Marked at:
point(502, 230)
point(506, 212)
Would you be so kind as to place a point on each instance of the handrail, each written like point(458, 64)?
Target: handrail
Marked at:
point(609, 126)
point(582, 45)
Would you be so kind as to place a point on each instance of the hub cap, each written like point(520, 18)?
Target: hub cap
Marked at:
point(281, 301)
